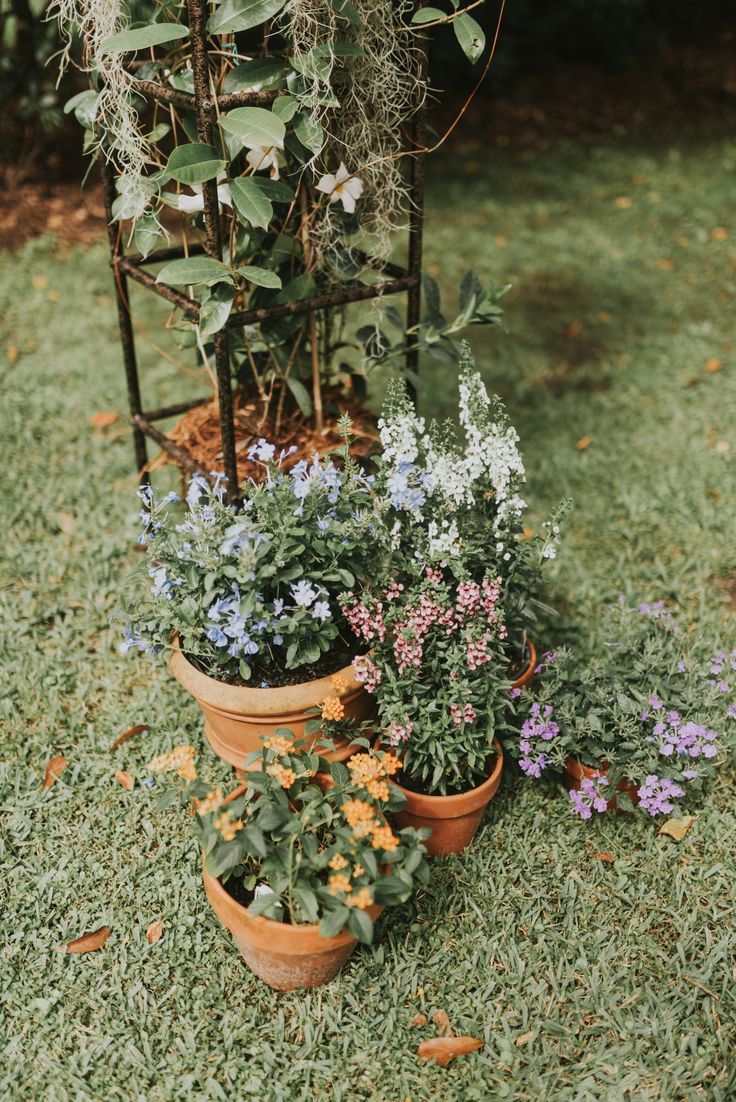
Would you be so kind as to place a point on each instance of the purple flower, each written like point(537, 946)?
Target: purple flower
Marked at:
point(681, 667)
point(589, 797)
point(655, 701)
point(731, 712)
point(722, 687)
point(656, 794)
point(538, 728)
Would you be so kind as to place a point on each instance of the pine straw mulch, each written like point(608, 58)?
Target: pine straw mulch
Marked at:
point(199, 432)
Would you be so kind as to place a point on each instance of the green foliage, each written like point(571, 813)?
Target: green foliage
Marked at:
point(310, 842)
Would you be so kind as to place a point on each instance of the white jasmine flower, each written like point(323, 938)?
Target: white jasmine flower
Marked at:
point(262, 157)
point(348, 189)
point(190, 204)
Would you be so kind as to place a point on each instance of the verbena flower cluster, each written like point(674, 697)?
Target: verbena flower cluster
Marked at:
point(650, 718)
point(251, 590)
point(313, 842)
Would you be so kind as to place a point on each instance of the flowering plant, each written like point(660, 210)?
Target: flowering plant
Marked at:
point(306, 841)
point(438, 619)
point(645, 712)
point(251, 590)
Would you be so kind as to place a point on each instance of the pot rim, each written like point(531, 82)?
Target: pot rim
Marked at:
point(245, 700)
point(459, 803)
point(528, 672)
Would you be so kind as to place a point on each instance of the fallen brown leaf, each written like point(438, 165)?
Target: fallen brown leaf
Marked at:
point(583, 443)
point(720, 233)
point(623, 202)
point(103, 418)
point(130, 733)
point(444, 1049)
point(603, 857)
point(12, 353)
point(442, 1022)
point(419, 1019)
point(665, 264)
point(524, 1038)
point(573, 329)
point(87, 943)
point(677, 828)
point(39, 281)
point(125, 779)
point(713, 365)
point(66, 522)
point(501, 241)
point(54, 768)
point(154, 932)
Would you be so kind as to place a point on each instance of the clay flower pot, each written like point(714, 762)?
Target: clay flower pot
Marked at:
point(453, 820)
point(528, 672)
point(235, 716)
point(284, 956)
point(577, 772)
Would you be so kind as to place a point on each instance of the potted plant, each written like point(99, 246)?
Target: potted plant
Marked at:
point(640, 725)
point(245, 597)
point(443, 621)
point(301, 860)
point(308, 185)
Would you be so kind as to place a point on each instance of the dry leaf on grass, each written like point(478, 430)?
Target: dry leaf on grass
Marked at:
point(125, 779)
point(103, 419)
point(442, 1022)
point(87, 943)
point(419, 1019)
point(66, 522)
point(677, 828)
point(713, 365)
point(130, 733)
point(573, 329)
point(154, 932)
point(444, 1049)
point(603, 857)
point(720, 233)
point(54, 768)
point(524, 1038)
point(583, 443)
point(623, 202)
point(39, 281)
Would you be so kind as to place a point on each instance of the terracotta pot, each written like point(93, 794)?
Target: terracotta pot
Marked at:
point(453, 820)
point(284, 956)
point(236, 716)
point(576, 772)
point(528, 672)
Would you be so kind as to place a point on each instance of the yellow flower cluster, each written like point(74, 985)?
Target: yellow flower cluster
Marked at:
point(284, 776)
point(333, 709)
point(279, 744)
point(338, 862)
point(210, 803)
point(362, 899)
point(180, 760)
point(226, 827)
point(339, 882)
point(371, 773)
point(361, 816)
point(384, 838)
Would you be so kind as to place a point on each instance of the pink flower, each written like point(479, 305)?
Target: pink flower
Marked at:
point(366, 672)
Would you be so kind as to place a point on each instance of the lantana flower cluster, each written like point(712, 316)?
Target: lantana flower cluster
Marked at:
point(650, 718)
point(251, 590)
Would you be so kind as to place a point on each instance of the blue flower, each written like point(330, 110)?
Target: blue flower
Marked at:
point(303, 593)
point(321, 611)
point(261, 450)
point(217, 636)
point(278, 606)
point(197, 486)
point(278, 639)
point(171, 499)
point(323, 524)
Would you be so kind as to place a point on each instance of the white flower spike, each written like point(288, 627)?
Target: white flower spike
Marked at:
point(348, 189)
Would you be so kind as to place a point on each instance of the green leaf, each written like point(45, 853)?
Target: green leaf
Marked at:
point(307, 901)
point(309, 132)
point(304, 401)
point(285, 107)
point(241, 15)
point(143, 37)
point(262, 277)
point(428, 15)
point(146, 234)
point(84, 106)
point(194, 269)
point(348, 10)
point(333, 922)
point(261, 71)
point(214, 312)
point(251, 202)
point(255, 126)
point(470, 36)
point(194, 163)
point(360, 925)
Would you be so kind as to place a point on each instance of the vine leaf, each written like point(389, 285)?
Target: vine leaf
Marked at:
point(470, 36)
point(255, 126)
point(142, 37)
point(241, 15)
point(194, 269)
point(194, 163)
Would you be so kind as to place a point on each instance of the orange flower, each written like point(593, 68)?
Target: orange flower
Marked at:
point(279, 744)
point(338, 862)
point(384, 838)
point(333, 708)
point(226, 827)
point(211, 802)
point(361, 899)
point(179, 760)
point(339, 683)
point(358, 871)
point(360, 816)
point(391, 764)
point(338, 882)
point(369, 772)
point(284, 776)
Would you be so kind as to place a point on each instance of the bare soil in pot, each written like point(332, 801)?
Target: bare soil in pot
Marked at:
point(236, 716)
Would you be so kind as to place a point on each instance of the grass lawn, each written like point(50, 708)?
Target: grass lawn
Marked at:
point(586, 980)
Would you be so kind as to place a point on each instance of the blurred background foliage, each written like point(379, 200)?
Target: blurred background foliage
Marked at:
point(536, 35)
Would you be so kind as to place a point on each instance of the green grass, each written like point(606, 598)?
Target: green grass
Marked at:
point(586, 980)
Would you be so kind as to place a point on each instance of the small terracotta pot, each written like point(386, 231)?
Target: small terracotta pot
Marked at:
point(236, 716)
point(528, 672)
point(576, 772)
point(453, 820)
point(285, 957)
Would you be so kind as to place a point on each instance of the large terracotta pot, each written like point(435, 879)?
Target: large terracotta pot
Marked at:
point(284, 956)
point(576, 772)
point(236, 716)
point(453, 820)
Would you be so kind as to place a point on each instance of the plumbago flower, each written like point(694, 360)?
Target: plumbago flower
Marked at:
point(643, 712)
point(251, 591)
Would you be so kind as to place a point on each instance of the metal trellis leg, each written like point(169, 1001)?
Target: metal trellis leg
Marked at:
point(416, 218)
point(125, 323)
